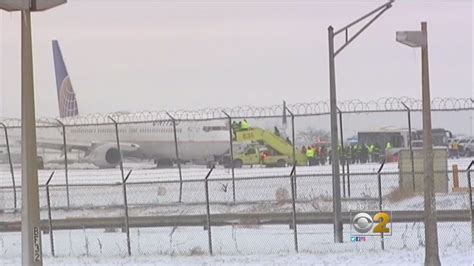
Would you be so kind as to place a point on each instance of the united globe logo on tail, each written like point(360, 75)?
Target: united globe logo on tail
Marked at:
point(67, 102)
point(67, 99)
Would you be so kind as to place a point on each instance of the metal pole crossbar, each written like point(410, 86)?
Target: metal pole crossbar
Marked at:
point(348, 41)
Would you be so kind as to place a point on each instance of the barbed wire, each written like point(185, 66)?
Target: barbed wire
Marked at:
point(390, 104)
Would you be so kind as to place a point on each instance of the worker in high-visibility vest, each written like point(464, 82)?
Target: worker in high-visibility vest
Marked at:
point(371, 149)
point(310, 152)
point(245, 125)
point(388, 154)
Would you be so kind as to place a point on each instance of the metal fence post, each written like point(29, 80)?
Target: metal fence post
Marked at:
point(123, 182)
point(208, 209)
point(470, 199)
point(342, 154)
point(177, 157)
point(379, 182)
point(48, 200)
point(292, 136)
point(65, 160)
point(293, 144)
point(348, 179)
point(118, 146)
point(410, 145)
point(7, 143)
point(231, 142)
point(293, 204)
point(125, 202)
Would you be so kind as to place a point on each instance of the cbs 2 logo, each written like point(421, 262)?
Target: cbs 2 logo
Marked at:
point(363, 222)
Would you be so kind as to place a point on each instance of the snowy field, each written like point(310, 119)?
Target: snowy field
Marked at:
point(315, 241)
point(147, 172)
point(415, 257)
point(151, 187)
point(151, 191)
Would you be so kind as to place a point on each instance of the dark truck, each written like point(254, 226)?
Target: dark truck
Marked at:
point(399, 138)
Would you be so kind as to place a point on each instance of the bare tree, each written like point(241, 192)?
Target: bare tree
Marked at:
point(310, 135)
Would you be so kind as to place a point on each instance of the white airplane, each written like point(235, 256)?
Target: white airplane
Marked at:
point(198, 142)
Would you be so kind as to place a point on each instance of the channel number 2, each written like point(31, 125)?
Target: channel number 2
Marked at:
point(363, 222)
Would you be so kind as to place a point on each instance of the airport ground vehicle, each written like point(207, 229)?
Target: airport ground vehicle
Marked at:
point(264, 147)
point(256, 154)
point(441, 136)
point(399, 138)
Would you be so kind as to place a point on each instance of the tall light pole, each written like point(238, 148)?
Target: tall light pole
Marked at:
point(336, 182)
point(30, 215)
point(420, 39)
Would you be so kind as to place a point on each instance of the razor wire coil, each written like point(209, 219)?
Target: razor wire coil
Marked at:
point(390, 104)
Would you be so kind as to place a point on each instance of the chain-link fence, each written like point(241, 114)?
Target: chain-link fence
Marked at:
point(262, 214)
point(158, 203)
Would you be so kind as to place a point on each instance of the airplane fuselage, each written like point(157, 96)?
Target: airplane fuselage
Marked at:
point(196, 140)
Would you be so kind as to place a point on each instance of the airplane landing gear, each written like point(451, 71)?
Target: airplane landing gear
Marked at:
point(164, 163)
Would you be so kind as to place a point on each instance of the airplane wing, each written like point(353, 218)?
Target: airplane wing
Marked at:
point(58, 145)
point(54, 144)
point(101, 154)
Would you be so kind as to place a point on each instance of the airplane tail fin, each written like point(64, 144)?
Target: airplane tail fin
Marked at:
point(66, 97)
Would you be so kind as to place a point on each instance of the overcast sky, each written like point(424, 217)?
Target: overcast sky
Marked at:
point(153, 55)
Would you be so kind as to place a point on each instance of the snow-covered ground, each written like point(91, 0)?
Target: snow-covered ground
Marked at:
point(97, 245)
point(391, 257)
point(147, 172)
point(251, 243)
point(156, 187)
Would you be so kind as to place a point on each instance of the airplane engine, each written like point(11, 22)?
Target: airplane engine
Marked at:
point(105, 156)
